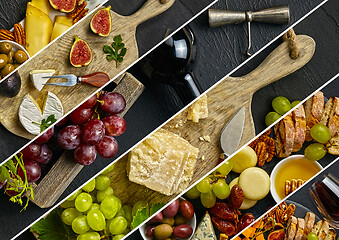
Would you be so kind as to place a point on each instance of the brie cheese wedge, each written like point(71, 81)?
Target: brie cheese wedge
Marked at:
point(30, 114)
point(37, 79)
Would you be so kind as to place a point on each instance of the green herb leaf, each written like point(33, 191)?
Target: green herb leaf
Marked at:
point(116, 51)
point(52, 228)
point(141, 215)
point(155, 207)
point(46, 123)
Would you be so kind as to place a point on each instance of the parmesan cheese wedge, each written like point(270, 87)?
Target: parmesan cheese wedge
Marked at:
point(31, 115)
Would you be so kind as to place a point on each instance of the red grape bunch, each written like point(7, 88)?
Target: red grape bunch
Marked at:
point(88, 135)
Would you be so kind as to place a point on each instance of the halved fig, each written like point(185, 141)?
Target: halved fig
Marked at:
point(63, 5)
point(101, 22)
point(81, 54)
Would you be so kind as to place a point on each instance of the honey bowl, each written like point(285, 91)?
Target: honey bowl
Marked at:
point(294, 167)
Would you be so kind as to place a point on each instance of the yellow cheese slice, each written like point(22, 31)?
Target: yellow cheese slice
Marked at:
point(58, 29)
point(38, 28)
point(64, 20)
point(43, 5)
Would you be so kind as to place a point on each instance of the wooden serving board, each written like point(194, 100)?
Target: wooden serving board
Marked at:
point(224, 101)
point(66, 169)
point(56, 56)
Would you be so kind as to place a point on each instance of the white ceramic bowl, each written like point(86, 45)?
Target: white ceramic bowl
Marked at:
point(192, 222)
point(16, 46)
point(277, 168)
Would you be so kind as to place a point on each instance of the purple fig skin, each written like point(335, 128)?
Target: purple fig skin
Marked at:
point(172, 209)
point(157, 218)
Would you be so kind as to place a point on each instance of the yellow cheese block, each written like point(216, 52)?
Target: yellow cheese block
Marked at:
point(64, 20)
point(164, 162)
point(43, 5)
point(38, 28)
point(58, 29)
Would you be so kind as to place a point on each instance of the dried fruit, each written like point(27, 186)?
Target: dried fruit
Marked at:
point(19, 34)
point(63, 5)
point(81, 54)
point(224, 226)
point(245, 221)
point(236, 197)
point(224, 211)
point(6, 35)
point(101, 22)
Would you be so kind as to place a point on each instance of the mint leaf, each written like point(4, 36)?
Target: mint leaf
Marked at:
point(155, 207)
point(141, 215)
point(52, 228)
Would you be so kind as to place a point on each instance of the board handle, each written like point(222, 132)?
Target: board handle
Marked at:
point(279, 64)
point(97, 79)
point(149, 10)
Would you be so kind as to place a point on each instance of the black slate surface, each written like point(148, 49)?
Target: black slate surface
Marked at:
point(220, 50)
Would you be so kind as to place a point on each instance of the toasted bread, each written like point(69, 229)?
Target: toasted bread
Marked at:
point(314, 108)
point(331, 234)
point(323, 231)
point(299, 120)
point(300, 229)
point(333, 145)
point(331, 115)
point(285, 138)
point(309, 223)
point(291, 228)
point(317, 226)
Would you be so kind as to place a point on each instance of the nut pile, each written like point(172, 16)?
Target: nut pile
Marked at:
point(17, 36)
point(79, 12)
point(264, 147)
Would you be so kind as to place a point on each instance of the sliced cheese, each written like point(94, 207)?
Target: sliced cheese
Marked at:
point(37, 79)
point(198, 110)
point(162, 162)
point(205, 230)
point(30, 113)
point(58, 29)
point(64, 20)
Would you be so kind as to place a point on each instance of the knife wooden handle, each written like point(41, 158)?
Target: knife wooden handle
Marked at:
point(97, 79)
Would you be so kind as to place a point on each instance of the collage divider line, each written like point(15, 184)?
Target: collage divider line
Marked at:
point(109, 82)
point(216, 167)
point(56, 39)
point(235, 69)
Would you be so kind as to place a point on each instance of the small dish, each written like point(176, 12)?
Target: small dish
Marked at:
point(16, 47)
point(192, 222)
point(295, 159)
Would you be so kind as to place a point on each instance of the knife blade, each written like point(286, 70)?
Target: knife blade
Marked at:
point(231, 134)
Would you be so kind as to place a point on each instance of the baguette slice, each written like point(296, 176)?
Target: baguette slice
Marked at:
point(331, 234)
point(317, 226)
point(291, 228)
point(285, 138)
point(323, 231)
point(331, 115)
point(314, 108)
point(299, 120)
point(333, 145)
point(309, 223)
point(300, 229)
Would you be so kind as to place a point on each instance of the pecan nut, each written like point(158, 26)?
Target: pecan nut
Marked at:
point(261, 151)
point(19, 34)
point(81, 15)
point(78, 9)
point(6, 35)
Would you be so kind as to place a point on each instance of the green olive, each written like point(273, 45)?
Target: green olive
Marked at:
point(10, 56)
point(20, 56)
point(5, 47)
point(16, 65)
point(7, 69)
point(3, 60)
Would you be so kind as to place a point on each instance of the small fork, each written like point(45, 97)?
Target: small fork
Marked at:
point(97, 79)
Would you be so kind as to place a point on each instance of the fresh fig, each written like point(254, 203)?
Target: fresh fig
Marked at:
point(10, 87)
point(81, 54)
point(101, 22)
point(63, 5)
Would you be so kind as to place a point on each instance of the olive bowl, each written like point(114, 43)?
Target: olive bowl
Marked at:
point(16, 47)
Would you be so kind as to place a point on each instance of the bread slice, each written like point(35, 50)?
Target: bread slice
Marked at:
point(291, 228)
point(331, 234)
point(323, 231)
point(299, 120)
point(285, 134)
point(331, 115)
point(317, 226)
point(333, 145)
point(300, 229)
point(314, 108)
point(309, 223)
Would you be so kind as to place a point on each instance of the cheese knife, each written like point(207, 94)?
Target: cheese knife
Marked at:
point(97, 79)
point(231, 134)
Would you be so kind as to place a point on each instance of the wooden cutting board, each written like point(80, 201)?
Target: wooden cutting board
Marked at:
point(224, 100)
point(56, 56)
point(50, 188)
